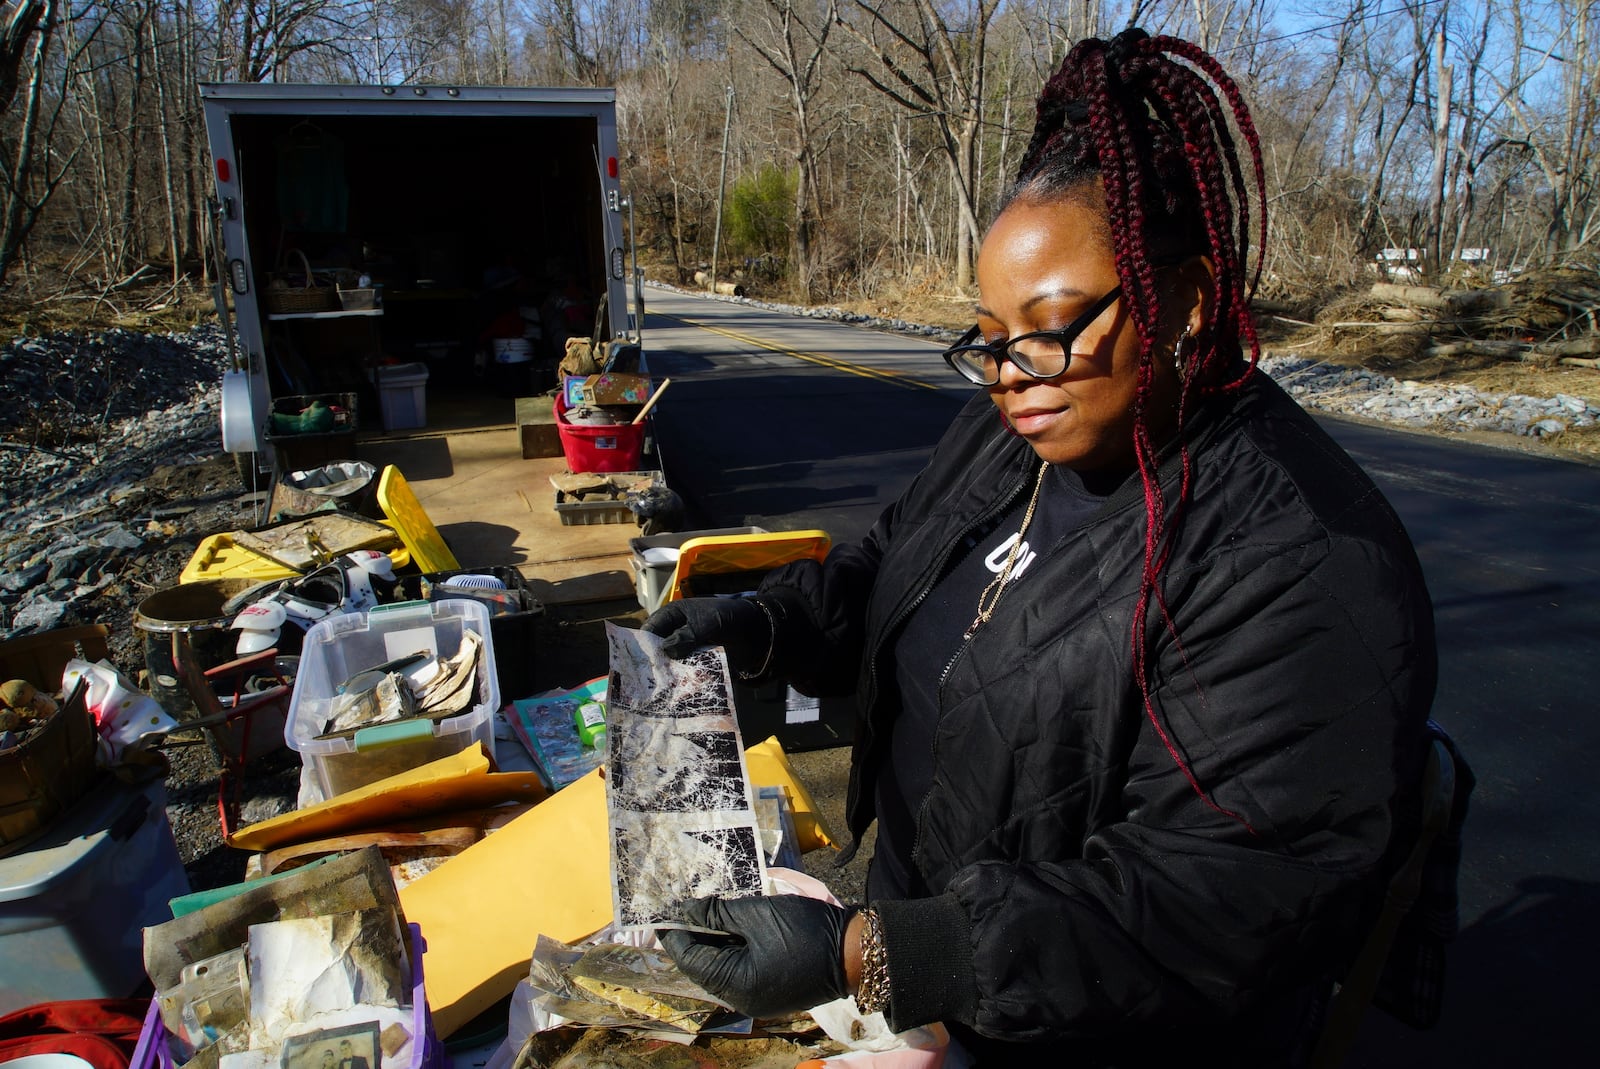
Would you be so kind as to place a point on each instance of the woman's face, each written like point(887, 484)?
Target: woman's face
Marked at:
point(1042, 264)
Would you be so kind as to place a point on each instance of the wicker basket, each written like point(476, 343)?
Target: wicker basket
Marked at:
point(298, 292)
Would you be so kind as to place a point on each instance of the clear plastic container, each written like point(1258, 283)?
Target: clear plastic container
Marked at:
point(340, 646)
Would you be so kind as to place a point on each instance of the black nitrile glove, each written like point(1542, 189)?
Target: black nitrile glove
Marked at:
point(739, 625)
point(786, 954)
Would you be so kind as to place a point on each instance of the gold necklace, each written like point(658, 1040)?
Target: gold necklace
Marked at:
point(991, 593)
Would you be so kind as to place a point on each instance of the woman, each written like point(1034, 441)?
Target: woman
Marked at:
point(1143, 664)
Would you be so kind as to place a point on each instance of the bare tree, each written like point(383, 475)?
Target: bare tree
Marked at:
point(793, 39)
point(933, 69)
point(32, 167)
point(1564, 137)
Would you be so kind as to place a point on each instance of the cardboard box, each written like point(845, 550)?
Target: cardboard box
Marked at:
point(536, 424)
point(608, 388)
point(51, 770)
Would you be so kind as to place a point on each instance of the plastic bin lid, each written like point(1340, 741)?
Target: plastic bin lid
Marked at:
point(399, 503)
point(98, 819)
point(417, 371)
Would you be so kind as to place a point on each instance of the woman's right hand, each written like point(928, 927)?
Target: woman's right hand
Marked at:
point(741, 626)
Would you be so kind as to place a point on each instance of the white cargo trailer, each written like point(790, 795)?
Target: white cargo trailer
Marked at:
point(430, 221)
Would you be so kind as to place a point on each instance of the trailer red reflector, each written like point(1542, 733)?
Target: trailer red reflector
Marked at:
point(222, 170)
point(611, 166)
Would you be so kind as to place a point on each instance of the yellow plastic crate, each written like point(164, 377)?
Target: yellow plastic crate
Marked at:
point(217, 557)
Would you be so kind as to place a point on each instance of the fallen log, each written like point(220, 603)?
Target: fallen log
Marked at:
point(1381, 328)
point(1478, 348)
point(1573, 347)
point(727, 289)
point(1453, 302)
point(1578, 361)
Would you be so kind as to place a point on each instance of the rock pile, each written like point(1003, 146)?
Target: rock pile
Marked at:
point(1444, 407)
point(88, 419)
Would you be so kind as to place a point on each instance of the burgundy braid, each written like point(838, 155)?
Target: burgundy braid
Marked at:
point(1155, 134)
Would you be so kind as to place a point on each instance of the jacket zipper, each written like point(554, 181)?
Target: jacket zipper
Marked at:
point(899, 618)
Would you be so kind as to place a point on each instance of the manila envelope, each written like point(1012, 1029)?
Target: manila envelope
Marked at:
point(461, 781)
point(547, 872)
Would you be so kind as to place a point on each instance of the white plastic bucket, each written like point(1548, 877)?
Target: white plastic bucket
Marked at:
point(512, 350)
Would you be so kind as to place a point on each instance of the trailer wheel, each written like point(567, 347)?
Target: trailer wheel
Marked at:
point(246, 464)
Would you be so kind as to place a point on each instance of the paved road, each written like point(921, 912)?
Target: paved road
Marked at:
point(788, 422)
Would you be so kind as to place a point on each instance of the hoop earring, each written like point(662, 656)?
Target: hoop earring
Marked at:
point(1177, 352)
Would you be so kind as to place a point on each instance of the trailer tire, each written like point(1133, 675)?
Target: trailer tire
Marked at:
point(246, 464)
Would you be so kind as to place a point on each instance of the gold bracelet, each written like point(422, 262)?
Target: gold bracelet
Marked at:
point(872, 994)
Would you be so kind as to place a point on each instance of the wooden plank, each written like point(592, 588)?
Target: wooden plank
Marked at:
point(304, 544)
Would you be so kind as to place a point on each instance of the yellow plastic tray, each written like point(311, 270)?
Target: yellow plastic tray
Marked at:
point(218, 557)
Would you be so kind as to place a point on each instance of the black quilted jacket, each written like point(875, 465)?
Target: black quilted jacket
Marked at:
point(1089, 895)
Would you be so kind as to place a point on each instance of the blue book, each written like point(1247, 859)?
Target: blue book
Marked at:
point(545, 725)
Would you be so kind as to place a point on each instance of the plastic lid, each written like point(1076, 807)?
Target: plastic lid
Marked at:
point(48, 1061)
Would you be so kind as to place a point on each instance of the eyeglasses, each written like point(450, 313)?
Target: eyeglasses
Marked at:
point(1043, 354)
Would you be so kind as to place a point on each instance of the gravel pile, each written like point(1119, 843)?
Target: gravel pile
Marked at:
point(89, 419)
point(111, 472)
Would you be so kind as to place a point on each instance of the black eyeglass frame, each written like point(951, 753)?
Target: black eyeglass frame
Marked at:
point(1003, 351)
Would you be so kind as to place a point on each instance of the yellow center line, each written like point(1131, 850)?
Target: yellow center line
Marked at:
point(891, 377)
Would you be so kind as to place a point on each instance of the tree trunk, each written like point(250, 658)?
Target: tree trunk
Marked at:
point(19, 215)
point(164, 133)
point(1441, 152)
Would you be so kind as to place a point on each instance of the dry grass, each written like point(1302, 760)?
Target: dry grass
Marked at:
point(144, 306)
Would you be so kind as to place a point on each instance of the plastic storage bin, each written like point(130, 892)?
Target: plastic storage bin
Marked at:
point(599, 447)
point(295, 450)
point(340, 646)
point(403, 396)
point(74, 903)
point(513, 619)
point(655, 557)
point(427, 1052)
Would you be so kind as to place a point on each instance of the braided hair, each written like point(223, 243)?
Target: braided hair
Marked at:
point(1154, 133)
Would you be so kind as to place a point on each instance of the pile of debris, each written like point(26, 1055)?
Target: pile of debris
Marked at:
point(1546, 317)
point(95, 427)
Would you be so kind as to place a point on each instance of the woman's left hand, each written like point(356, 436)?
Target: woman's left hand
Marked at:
point(782, 954)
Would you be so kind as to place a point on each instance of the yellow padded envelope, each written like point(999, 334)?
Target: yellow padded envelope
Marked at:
point(465, 780)
point(769, 767)
point(481, 912)
point(548, 871)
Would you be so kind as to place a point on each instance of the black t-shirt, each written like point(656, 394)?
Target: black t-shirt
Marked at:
point(928, 642)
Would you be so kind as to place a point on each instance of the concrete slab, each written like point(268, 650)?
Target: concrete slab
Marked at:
point(493, 506)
